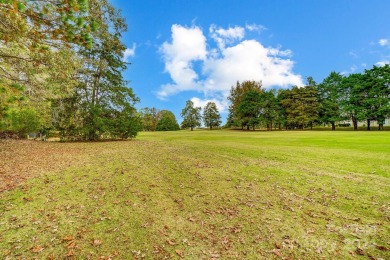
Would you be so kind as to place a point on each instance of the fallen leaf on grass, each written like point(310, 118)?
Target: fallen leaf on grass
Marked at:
point(68, 238)
point(96, 242)
point(70, 253)
point(170, 242)
point(71, 244)
point(179, 252)
point(359, 251)
point(277, 252)
point(37, 249)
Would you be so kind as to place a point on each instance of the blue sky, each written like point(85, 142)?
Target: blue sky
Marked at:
point(182, 49)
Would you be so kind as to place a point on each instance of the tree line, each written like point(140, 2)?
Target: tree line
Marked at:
point(356, 97)
point(153, 119)
point(61, 65)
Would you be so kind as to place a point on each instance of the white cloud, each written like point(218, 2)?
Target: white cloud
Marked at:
point(384, 42)
point(235, 59)
point(382, 63)
point(203, 102)
point(129, 52)
point(226, 36)
point(249, 60)
point(188, 45)
point(255, 27)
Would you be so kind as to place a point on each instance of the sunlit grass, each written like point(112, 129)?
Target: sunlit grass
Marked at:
point(209, 194)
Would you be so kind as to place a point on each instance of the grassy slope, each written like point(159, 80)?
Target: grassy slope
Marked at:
point(209, 194)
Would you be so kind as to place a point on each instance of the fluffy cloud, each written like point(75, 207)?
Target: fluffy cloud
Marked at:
point(249, 60)
point(226, 36)
point(234, 58)
point(384, 42)
point(129, 52)
point(382, 63)
point(188, 45)
point(221, 105)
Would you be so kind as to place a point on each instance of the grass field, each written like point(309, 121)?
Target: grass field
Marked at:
point(206, 195)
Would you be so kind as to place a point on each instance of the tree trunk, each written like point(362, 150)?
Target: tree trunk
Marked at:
point(354, 121)
point(280, 126)
point(192, 129)
point(333, 126)
point(368, 124)
point(380, 126)
point(311, 125)
point(211, 127)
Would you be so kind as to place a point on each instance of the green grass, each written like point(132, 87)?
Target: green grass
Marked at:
point(209, 194)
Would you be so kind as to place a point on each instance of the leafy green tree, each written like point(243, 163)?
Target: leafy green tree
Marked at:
point(211, 116)
point(329, 94)
point(191, 116)
point(236, 95)
point(167, 121)
point(24, 121)
point(301, 106)
point(269, 112)
point(150, 118)
point(378, 99)
point(249, 109)
point(103, 99)
point(353, 95)
point(35, 52)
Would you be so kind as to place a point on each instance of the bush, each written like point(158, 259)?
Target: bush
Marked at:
point(24, 121)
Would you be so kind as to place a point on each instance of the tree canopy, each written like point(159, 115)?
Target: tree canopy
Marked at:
point(211, 116)
point(191, 116)
point(64, 60)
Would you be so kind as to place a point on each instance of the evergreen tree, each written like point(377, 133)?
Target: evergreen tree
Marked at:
point(211, 116)
point(191, 116)
point(329, 94)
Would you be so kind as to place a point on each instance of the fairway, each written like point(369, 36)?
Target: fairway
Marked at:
point(204, 195)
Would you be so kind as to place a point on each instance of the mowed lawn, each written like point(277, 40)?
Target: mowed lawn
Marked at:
point(206, 195)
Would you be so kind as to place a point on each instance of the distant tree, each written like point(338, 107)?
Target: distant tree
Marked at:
point(301, 106)
point(249, 109)
point(236, 95)
point(269, 112)
point(167, 121)
point(378, 99)
point(191, 116)
point(211, 116)
point(353, 95)
point(150, 118)
point(329, 94)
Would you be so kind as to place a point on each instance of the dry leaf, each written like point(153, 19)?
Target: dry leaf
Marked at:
point(179, 252)
point(170, 242)
point(359, 251)
point(277, 252)
point(37, 249)
point(68, 238)
point(70, 253)
point(96, 242)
